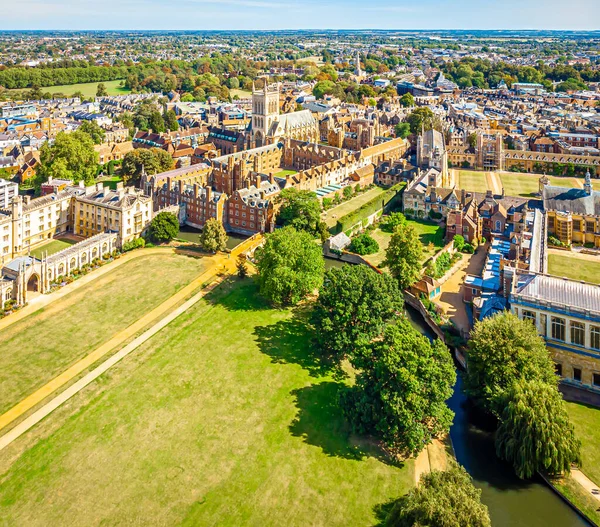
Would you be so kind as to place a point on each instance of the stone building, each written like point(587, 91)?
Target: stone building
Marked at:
point(432, 153)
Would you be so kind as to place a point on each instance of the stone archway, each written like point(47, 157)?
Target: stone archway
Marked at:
point(94, 253)
point(258, 139)
point(33, 284)
point(61, 269)
point(84, 258)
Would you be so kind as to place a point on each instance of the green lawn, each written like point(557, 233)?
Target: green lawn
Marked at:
point(331, 216)
point(571, 266)
point(283, 173)
point(87, 88)
point(586, 420)
point(52, 247)
point(110, 181)
point(223, 418)
point(39, 347)
point(242, 94)
point(527, 185)
point(428, 233)
point(472, 181)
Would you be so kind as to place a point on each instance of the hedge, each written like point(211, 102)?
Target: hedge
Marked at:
point(388, 199)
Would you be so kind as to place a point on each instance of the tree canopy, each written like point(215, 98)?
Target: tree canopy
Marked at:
point(290, 266)
point(94, 130)
point(420, 119)
point(300, 209)
point(72, 156)
point(353, 306)
point(213, 237)
point(442, 499)
point(364, 244)
point(401, 391)
point(152, 160)
point(404, 255)
point(502, 350)
point(163, 227)
point(535, 433)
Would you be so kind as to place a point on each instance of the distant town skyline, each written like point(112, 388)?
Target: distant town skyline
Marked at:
point(310, 14)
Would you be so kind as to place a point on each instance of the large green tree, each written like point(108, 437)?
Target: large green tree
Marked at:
point(163, 227)
point(72, 156)
point(213, 237)
point(353, 306)
point(290, 266)
point(420, 119)
point(404, 255)
point(502, 350)
point(401, 391)
point(152, 161)
point(94, 130)
point(535, 433)
point(442, 499)
point(300, 209)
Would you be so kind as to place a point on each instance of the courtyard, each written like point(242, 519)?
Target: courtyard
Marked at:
point(586, 420)
point(39, 347)
point(224, 417)
point(331, 216)
point(574, 266)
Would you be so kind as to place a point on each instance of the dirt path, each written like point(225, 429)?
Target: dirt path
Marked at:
point(586, 483)
point(433, 457)
point(494, 183)
point(221, 263)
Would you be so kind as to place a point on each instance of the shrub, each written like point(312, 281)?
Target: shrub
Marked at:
point(468, 248)
point(390, 222)
point(459, 242)
point(364, 244)
point(137, 243)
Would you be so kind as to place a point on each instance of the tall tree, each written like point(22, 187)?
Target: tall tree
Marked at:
point(407, 100)
point(213, 237)
point(420, 119)
point(502, 350)
point(290, 266)
point(400, 394)
point(442, 499)
point(72, 156)
point(94, 130)
point(163, 227)
point(170, 118)
point(353, 306)
point(152, 161)
point(404, 255)
point(535, 433)
point(299, 209)
point(101, 90)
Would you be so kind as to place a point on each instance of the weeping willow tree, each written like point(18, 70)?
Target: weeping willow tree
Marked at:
point(535, 433)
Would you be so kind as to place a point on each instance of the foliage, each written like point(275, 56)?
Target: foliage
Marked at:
point(441, 265)
point(502, 350)
point(400, 394)
point(389, 198)
point(72, 156)
point(535, 433)
point(354, 304)
point(170, 119)
point(404, 255)
point(442, 498)
point(148, 117)
point(241, 265)
point(290, 266)
point(300, 209)
point(347, 192)
point(136, 243)
point(391, 221)
point(163, 227)
point(407, 100)
point(420, 119)
point(101, 90)
point(402, 130)
point(213, 237)
point(468, 248)
point(459, 242)
point(151, 160)
point(94, 130)
point(364, 244)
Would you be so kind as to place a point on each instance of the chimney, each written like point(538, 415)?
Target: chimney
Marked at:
point(169, 183)
point(272, 178)
point(195, 191)
point(208, 193)
point(99, 186)
point(27, 199)
point(180, 187)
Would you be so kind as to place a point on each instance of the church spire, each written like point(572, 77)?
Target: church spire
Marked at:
point(588, 183)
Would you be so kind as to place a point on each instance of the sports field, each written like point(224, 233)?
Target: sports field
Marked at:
point(576, 267)
point(222, 418)
point(39, 347)
point(471, 180)
point(527, 185)
point(88, 89)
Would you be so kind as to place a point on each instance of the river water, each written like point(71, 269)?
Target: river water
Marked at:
point(511, 501)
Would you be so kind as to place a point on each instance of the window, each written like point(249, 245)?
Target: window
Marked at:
point(577, 333)
point(558, 369)
point(558, 328)
point(577, 374)
point(544, 324)
point(596, 379)
point(529, 315)
point(595, 337)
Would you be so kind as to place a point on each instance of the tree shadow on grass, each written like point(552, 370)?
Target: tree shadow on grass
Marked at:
point(382, 510)
point(320, 422)
point(238, 294)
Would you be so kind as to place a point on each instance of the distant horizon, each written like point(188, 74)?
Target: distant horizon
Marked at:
point(310, 15)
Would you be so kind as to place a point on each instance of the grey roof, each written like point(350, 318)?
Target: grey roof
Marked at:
point(575, 200)
point(561, 291)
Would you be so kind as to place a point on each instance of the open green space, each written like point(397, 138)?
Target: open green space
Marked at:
point(225, 417)
point(36, 349)
point(241, 94)
point(471, 181)
point(88, 89)
point(52, 247)
point(284, 173)
point(586, 420)
point(571, 266)
point(110, 181)
point(431, 235)
point(189, 234)
point(527, 185)
point(331, 216)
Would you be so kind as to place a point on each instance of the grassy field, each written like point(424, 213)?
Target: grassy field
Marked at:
point(110, 181)
point(242, 94)
point(52, 247)
point(283, 173)
point(428, 233)
point(88, 89)
point(223, 418)
point(574, 267)
point(39, 347)
point(331, 216)
point(527, 185)
point(471, 181)
point(586, 420)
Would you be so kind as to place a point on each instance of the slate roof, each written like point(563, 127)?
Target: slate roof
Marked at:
point(573, 200)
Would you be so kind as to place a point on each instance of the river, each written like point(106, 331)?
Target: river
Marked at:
point(511, 501)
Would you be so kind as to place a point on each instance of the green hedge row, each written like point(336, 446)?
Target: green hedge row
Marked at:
point(389, 199)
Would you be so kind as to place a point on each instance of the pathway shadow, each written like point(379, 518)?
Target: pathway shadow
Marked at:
point(320, 422)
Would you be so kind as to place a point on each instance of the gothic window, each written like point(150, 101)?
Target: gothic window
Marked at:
point(558, 328)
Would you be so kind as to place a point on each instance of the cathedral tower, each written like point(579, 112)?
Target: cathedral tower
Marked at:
point(265, 111)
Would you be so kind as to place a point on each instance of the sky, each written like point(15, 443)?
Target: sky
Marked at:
point(294, 14)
